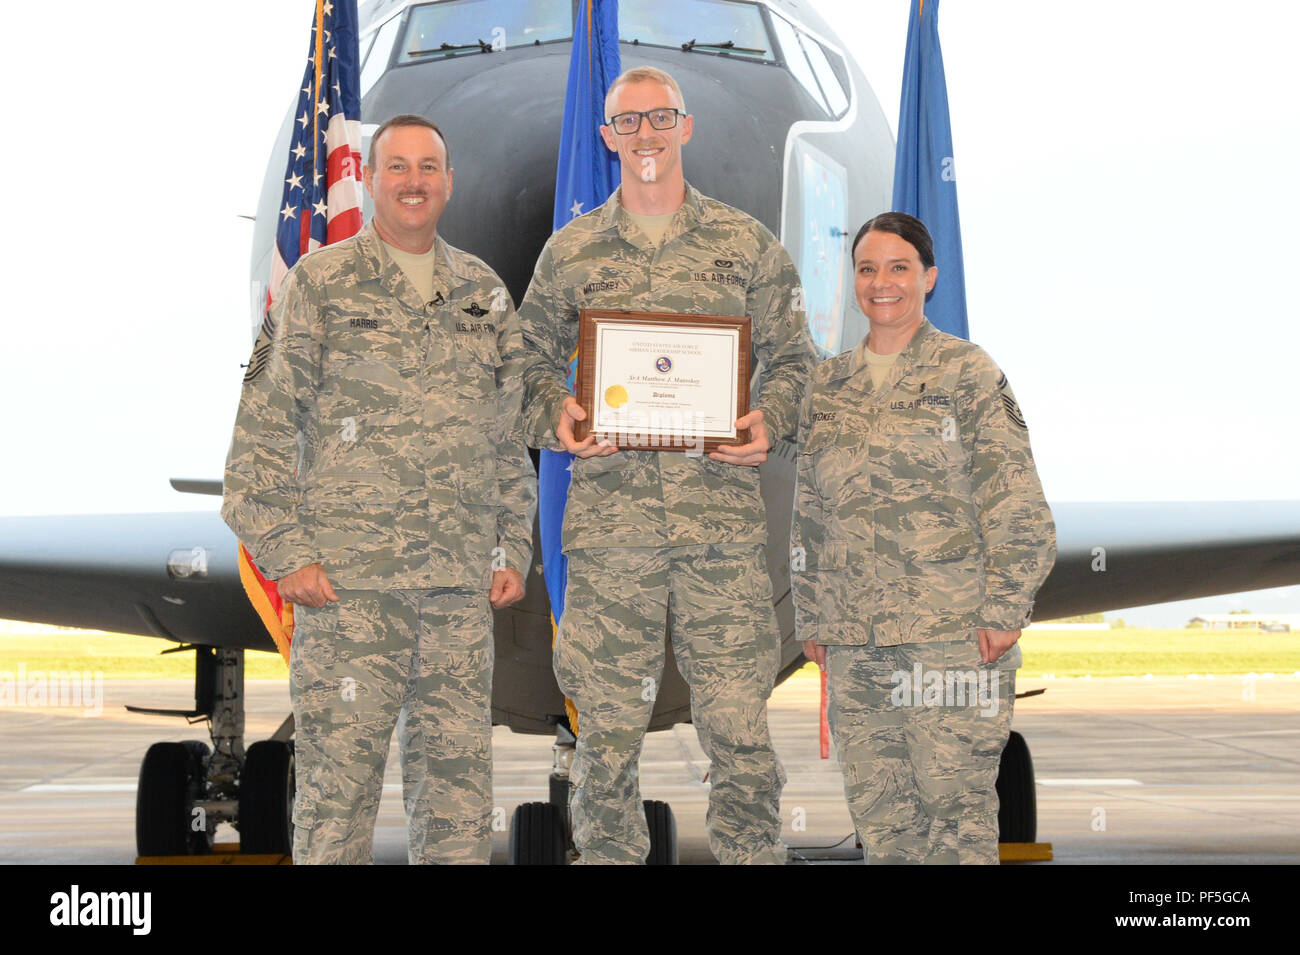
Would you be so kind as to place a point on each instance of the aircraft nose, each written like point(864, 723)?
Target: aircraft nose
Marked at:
point(502, 129)
point(502, 119)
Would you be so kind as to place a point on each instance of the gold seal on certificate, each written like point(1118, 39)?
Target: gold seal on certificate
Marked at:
point(660, 381)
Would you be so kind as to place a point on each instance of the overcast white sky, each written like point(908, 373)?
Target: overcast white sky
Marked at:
point(1128, 201)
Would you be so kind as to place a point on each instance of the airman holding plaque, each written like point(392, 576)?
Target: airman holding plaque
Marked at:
point(665, 523)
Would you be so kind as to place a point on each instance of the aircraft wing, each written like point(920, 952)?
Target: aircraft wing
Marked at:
point(127, 573)
point(174, 576)
point(1156, 552)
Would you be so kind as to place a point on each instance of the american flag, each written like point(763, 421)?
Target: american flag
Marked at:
point(322, 180)
point(321, 204)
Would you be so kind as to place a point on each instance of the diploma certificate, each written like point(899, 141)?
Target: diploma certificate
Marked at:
point(658, 381)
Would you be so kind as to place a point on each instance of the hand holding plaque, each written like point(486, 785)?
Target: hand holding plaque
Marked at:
point(660, 381)
point(571, 414)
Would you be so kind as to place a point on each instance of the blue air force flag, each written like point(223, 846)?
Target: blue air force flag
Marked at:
point(587, 174)
point(925, 184)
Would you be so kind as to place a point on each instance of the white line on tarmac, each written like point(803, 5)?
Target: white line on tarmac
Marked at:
point(1088, 781)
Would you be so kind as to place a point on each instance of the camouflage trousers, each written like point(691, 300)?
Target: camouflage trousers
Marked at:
point(417, 661)
point(609, 659)
point(920, 730)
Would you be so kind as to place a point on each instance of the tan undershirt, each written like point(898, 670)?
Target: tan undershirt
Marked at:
point(653, 226)
point(418, 268)
point(878, 365)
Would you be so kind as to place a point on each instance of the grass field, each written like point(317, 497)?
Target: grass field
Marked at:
point(1097, 653)
point(117, 656)
point(1133, 651)
point(1137, 652)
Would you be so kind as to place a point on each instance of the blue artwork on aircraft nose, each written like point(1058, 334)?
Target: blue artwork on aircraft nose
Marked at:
point(823, 249)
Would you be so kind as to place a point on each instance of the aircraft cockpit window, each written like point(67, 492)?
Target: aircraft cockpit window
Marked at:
point(792, 53)
point(377, 56)
point(826, 76)
point(719, 27)
point(450, 28)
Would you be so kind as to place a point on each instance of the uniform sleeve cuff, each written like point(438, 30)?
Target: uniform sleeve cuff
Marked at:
point(518, 556)
point(1004, 617)
point(542, 430)
point(780, 427)
point(283, 561)
point(803, 632)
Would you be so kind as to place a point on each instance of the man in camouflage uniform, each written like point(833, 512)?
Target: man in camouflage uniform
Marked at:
point(406, 509)
point(920, 537)
point(665, 535)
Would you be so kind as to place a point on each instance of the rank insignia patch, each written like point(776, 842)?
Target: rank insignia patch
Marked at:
point(262, 350)
point(1009, 404)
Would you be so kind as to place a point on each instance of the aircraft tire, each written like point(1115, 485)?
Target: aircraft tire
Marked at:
point(171, 777)
point(537, 835)
point(663, 833)
point(1017, 800)
point(266, 790)
point(559, 791)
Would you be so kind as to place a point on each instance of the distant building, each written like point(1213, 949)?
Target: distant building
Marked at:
point(1246, 621)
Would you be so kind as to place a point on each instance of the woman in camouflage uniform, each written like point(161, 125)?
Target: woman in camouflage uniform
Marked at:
point(920, 538)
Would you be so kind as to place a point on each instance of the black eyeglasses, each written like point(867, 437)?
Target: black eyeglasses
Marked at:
point(627, 123)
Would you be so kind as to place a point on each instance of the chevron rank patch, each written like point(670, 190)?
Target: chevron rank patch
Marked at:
point(1009, 404)
point(261, 350)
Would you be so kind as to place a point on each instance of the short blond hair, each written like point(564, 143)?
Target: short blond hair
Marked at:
point(643, 74)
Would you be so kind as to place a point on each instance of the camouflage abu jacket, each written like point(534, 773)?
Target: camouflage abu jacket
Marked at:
point(713, 260)
point(918, 511)
point(413, 466)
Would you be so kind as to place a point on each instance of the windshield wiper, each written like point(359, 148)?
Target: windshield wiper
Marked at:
point(728, 45)
point(452, 48)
